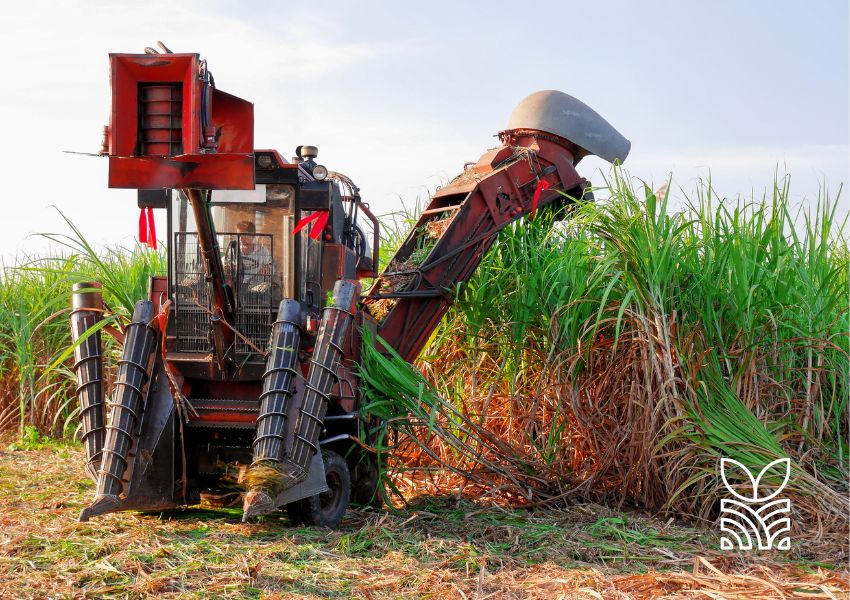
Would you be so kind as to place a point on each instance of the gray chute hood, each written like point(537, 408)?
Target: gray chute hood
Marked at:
point(567, 117)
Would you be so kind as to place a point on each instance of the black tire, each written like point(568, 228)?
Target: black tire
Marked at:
point(366, 489)
point(325, 509)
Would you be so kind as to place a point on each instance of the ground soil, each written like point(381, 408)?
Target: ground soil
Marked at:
point(436, 547)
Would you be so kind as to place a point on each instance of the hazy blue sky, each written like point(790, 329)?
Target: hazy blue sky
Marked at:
point(398, 95)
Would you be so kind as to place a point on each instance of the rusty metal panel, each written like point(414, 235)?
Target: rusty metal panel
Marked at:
point(223, 413)
point(169, 129)
point(128, 71)
point(332, 265)
point(233, 119)
point(157, 291)
point(409, 312)
point(198, 171)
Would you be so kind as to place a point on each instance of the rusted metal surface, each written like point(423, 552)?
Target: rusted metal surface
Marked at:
point(498, 190)
point(170, 129)
point(222, 308)
point(158, 292)
point(222, 413)
point(198, 171)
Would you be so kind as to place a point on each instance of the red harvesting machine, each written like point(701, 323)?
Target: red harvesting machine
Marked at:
point(238, 375)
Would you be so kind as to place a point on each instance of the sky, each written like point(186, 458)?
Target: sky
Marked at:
point(399, 96)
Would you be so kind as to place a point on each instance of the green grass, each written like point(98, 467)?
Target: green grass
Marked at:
point(436, 546)
point(36, 384)
point(620, 353)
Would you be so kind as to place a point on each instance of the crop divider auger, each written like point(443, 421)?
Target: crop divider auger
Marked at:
point(238, 376)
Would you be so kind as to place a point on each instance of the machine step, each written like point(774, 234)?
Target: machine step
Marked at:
point(223, 413)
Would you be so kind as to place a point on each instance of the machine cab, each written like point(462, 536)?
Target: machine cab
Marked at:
point(263, 259)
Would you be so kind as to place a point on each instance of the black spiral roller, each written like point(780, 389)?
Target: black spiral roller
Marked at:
point(295, 463)
point(86, 312)
point(277, 384)
point(139, 342)
point(323, 373)
point(266, 477)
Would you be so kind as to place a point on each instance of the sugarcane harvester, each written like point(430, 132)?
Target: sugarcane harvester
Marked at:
point(238, 374)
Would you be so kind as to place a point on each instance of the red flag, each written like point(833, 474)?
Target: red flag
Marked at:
point(147, 228)
point(321, 219)
point(143, 227)
point(542, 184)
point(151, 230)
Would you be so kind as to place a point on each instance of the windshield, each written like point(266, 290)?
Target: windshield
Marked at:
point(257, 253)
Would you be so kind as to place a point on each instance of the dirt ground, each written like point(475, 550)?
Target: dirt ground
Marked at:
point(439, 548)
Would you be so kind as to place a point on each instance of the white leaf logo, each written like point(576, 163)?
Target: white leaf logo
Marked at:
point(754, 516)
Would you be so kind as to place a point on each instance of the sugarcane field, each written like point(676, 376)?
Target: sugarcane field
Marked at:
point(444, 301)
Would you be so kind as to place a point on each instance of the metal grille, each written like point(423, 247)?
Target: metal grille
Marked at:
point(191, 295)
point(254, 296)
point(160, 119)
point(249, 257)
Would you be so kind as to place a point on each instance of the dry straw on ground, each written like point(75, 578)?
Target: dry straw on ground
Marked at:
point(438, 548)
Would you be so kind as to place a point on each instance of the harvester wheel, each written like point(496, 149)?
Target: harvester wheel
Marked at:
point(325, 509)
point(366, 487)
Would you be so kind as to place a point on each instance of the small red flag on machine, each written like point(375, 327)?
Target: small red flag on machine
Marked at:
point(147, 228)
point(541, 185)
point(321, 219)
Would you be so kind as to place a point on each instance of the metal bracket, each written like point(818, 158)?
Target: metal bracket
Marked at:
point(315, 483)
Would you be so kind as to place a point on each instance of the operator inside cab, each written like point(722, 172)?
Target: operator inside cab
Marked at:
point(256, 259)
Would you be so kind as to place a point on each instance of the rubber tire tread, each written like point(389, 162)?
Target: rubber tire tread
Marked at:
point(309, 511)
